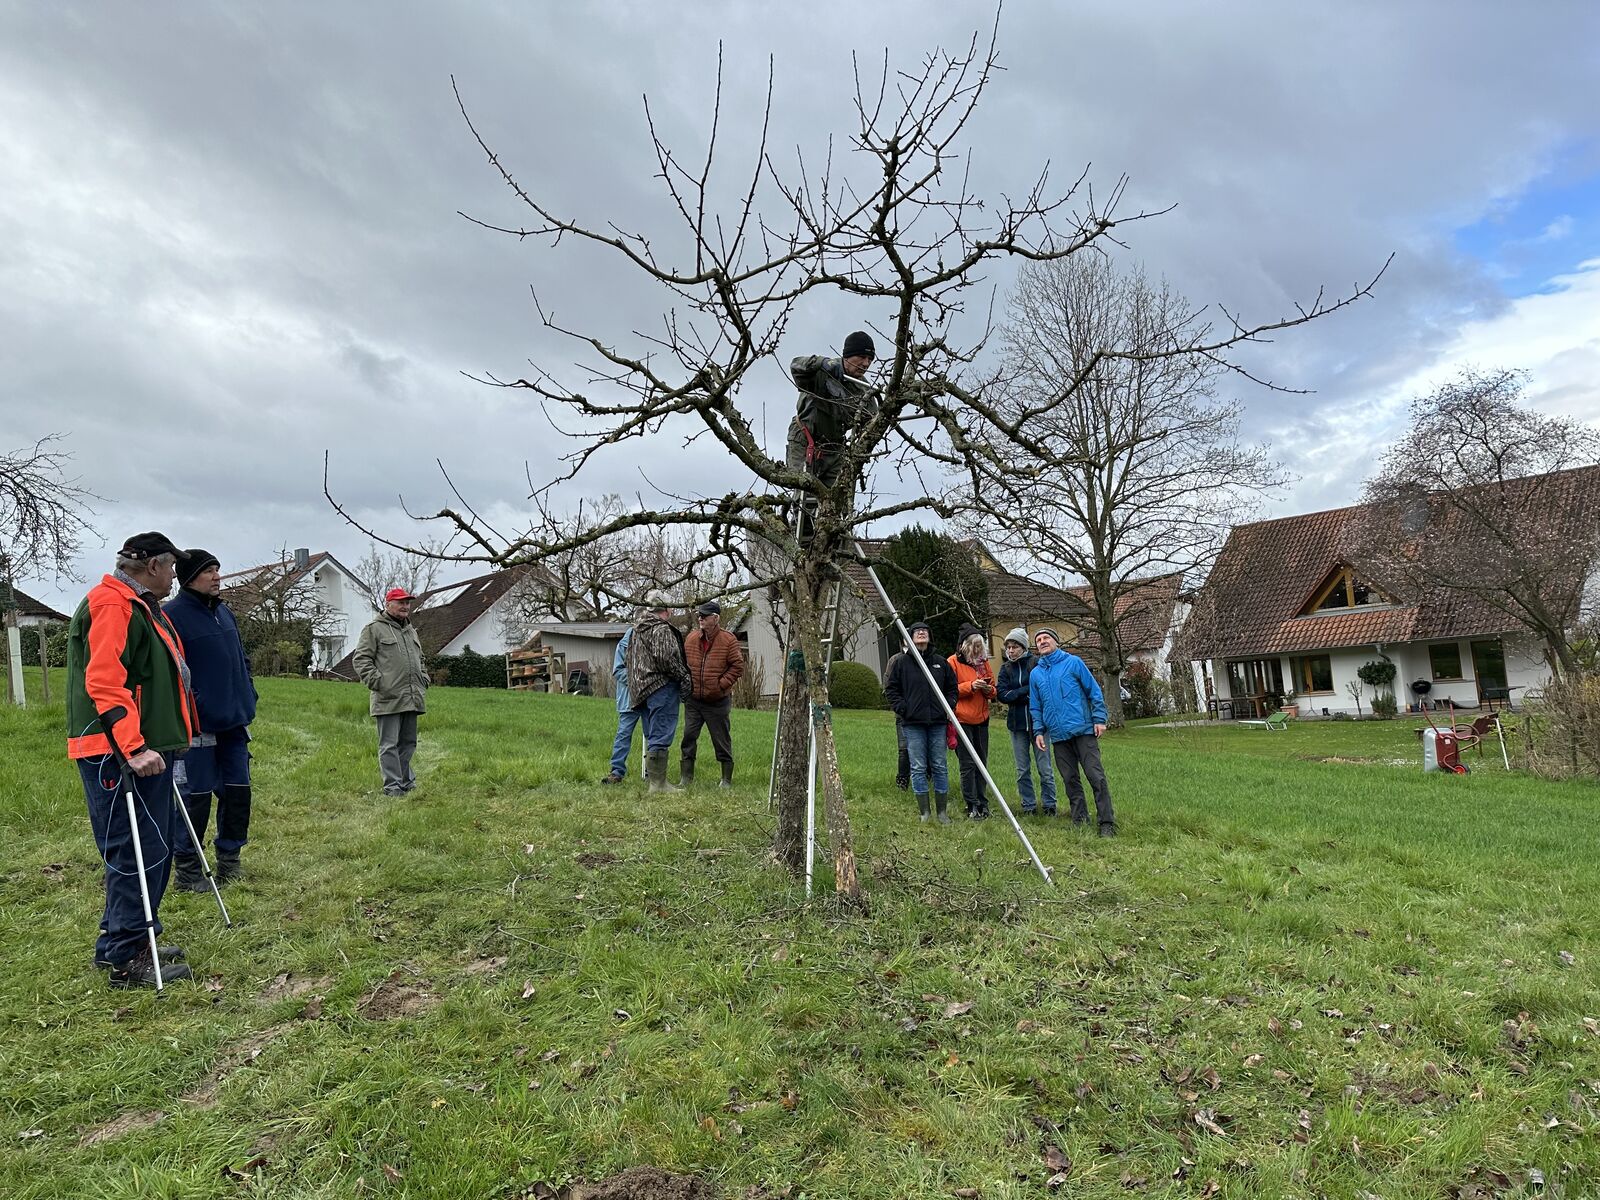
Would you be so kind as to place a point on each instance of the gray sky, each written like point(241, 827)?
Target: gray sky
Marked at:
point(229, 241)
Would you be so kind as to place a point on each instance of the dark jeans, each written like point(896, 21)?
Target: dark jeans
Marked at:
point(973, 790)
point(929, 761)
point(902, 766)
point(222, 770)
point(659, 716)
point(397, 741)
point(122, 923)
point(1084, 751)
point(713, 714)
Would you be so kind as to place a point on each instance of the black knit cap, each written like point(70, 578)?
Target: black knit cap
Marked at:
point(859, 342)
point(192, 563)
point(148, 545)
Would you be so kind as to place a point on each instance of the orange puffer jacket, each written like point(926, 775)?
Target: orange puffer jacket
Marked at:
point(714, 669)
point(973, 706)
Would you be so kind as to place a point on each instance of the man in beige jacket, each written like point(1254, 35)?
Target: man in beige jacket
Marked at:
point(389, 661)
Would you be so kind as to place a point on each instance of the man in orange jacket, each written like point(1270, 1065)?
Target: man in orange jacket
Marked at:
point(129, 701)
point(716, 663)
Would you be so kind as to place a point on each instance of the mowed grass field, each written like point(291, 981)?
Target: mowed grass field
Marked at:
point(1289, 977)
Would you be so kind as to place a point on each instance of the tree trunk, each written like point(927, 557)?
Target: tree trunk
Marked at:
point(806, 714)
point(789, 838)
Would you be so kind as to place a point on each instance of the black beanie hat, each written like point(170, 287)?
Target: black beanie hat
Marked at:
point(859, 342)
point(192, 562)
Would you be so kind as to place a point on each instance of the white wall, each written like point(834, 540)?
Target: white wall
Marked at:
point(484, 635)
point(351, 611)
point(1525, 670)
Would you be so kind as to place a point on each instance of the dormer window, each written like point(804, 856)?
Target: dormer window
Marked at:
point(1342, 591)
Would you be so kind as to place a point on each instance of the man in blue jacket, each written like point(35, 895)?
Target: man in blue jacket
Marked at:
point(218, 763)
point(1015, 673)
point(1069, 712)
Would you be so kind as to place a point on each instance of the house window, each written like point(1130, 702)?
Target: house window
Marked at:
point(1445, 660)
point(1341, 591)
point(1313, 673)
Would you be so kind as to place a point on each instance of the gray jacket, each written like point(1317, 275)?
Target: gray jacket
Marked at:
point(388, 659)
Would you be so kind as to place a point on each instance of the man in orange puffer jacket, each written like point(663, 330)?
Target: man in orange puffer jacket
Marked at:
point(716, 663)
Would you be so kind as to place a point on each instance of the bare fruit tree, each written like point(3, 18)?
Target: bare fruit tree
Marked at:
point(896, 222)
point(1490, 500)
point(1154, 469)
point(383, 568)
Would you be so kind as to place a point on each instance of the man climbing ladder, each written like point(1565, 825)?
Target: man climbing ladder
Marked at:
point(834, 401)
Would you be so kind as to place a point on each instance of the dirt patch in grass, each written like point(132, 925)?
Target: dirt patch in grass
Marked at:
point(590, 859)
point(125, 1124)
point(393, 1000)
point(287, 987)
point(645, 1183)
point(486, 966)
point(204, 1094)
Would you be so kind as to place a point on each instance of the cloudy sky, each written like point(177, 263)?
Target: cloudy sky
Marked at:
point(229, 237)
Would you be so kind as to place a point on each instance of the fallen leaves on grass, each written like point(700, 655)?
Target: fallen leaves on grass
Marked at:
point(1211, 1121)
point(957, 1009)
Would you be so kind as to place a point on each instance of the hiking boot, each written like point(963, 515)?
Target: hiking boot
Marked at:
point(140, 972)
point(655, 771)
point(189, 877)
point(941, 802)
point(169, 954)
point(615, 778)
point(228, 868)
point(727, 775)
point(922, 806)
point(1109, 829)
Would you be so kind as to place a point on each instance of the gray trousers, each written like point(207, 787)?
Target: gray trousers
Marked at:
point(1084, 751)
point(397, 739)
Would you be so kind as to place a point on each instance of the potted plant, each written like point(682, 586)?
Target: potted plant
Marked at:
point(1290, 706)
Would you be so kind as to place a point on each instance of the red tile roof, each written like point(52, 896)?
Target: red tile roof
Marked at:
point(1269, 570)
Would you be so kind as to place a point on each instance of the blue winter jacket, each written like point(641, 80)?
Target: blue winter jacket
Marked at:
point(1012, 687)
point(619, 672)
point(223, 690)
point(1063, 697)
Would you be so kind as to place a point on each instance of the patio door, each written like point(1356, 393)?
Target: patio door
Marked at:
point(1489, 665)
point(1259, 680)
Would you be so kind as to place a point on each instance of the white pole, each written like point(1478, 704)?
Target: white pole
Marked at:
point(19, 694)
point(811, 809)
point(144, 883)
point(961, 733)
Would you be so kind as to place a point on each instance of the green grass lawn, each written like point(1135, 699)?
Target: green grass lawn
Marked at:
point(1301, 971)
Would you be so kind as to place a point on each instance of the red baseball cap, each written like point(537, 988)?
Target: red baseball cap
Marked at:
point(398, 593)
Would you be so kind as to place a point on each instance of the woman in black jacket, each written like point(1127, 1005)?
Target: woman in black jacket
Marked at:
point(916, 703)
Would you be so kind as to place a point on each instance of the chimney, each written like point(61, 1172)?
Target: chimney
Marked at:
point(302, 558)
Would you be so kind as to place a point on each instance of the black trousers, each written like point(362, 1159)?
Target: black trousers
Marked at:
point(1084, 751)
point(902, 767)
point(973, 790)
point(713, 714)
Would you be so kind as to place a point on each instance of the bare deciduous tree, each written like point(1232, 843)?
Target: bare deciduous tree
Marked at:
point(383, 568)
point(1110, 370)
point(42, 511)
point(906, 232)
point(1486, 498)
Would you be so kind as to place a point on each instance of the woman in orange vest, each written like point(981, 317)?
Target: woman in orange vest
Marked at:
point(975, 688)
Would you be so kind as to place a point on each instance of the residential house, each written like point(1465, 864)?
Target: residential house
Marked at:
point(31, 612)
point(305, 586)
point(1283, 614)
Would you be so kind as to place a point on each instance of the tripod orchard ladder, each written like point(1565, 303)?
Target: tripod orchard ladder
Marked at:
point(829, 642)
